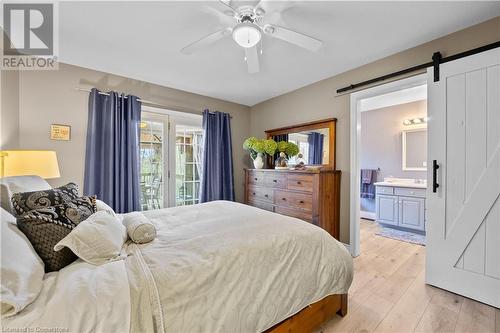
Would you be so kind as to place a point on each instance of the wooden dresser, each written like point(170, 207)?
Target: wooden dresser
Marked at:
point(312, 195)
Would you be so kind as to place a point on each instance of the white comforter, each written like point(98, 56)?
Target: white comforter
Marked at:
point(215, 267)
point(79, 298)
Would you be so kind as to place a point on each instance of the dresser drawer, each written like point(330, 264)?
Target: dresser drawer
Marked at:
point(300, 182)
point(385, 190)
point(260, 193)
point(410, 192)
point(300, 214)
point(276, 180)
point(261, 205)
point(292, 199)
point(257, 178)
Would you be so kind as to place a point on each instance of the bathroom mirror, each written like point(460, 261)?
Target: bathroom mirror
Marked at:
point(414, 142)
point(316, 141)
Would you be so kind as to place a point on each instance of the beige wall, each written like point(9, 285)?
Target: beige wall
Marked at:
point(48, 97)
point(319, 100)
point(9, 110)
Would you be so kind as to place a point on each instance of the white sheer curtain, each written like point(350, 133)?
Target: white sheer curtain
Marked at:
point(198, 151)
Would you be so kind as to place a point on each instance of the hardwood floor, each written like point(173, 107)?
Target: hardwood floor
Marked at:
point(389, 294)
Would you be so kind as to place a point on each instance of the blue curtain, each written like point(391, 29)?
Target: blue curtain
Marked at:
point(112, 154)
point(315, 141)
point(217, 181)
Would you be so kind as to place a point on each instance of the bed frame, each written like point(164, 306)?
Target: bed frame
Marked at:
point(313, 316)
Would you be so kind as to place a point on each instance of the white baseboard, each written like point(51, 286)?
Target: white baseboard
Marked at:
point(367, 215)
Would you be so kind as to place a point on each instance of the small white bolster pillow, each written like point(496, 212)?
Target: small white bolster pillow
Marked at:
point(139, 229)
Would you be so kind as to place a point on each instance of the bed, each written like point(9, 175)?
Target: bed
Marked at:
point(213, 267)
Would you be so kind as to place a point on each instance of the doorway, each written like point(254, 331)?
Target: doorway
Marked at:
point(398, 207)
point(170, 158)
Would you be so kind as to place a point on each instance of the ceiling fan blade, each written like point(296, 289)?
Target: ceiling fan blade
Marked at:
point(252, 59)
point(270, 6)
point(205, 41)
point(293, 37)
point(227, 5)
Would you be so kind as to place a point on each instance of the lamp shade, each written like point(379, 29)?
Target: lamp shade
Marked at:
point(41, 163)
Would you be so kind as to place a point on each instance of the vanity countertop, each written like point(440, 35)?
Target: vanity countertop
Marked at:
point(402, 184)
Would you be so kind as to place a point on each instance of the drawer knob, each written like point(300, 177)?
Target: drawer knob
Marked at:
point(266, 195)
point(255, 179)
point(299, 183)
point(301, 201)
point(284, 199)
point(253, 193)
point(275, 181)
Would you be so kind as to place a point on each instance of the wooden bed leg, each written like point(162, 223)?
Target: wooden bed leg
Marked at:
point(343, 306)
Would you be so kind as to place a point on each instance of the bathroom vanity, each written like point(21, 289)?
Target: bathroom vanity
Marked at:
point(400, 203)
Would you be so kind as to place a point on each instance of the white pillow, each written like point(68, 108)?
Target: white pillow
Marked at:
point(97, 240)
point(139, 229)
point(16, 184)
point(102, 206)
point(22, 269)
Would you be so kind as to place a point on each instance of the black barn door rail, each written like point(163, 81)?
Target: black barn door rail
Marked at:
point(437, 59)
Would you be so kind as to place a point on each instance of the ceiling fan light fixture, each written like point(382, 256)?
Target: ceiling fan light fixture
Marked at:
point(246, 34)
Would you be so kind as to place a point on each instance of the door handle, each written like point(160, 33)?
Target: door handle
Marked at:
point(435, 167)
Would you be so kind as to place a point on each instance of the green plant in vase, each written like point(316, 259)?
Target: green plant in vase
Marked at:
point(258, 148)
point(270, 146)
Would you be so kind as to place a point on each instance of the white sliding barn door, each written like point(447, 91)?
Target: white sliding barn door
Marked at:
point(463, 225)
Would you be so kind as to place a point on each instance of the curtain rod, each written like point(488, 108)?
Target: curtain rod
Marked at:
point(166, 107)
point(436, 60)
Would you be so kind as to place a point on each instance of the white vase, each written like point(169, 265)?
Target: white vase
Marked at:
point(258, 162)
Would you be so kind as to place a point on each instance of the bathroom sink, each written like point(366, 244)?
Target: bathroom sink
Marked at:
point(403, 182)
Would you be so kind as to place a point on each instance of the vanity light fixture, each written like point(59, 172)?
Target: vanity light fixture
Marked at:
point(414, 121)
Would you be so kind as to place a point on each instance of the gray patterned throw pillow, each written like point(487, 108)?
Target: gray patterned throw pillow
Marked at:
point(45, 227)
point(27, 201)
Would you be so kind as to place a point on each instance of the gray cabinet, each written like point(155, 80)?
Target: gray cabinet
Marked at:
point(401, 207)
point(411, 213)
point(387, 209)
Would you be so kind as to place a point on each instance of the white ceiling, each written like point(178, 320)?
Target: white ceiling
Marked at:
point(142, 40)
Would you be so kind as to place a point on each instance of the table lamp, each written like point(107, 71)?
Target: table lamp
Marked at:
point(41, 163)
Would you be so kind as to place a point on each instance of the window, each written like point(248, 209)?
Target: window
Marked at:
point(170, 144)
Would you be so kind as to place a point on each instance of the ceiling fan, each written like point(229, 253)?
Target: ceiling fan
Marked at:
point(248, 29)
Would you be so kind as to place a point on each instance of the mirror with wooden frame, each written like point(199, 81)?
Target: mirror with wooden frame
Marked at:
point(316, 141)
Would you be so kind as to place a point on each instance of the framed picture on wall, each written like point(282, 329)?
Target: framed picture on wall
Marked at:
point(60, 132)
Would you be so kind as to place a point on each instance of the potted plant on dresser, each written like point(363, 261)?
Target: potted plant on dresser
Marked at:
point(258, 148)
